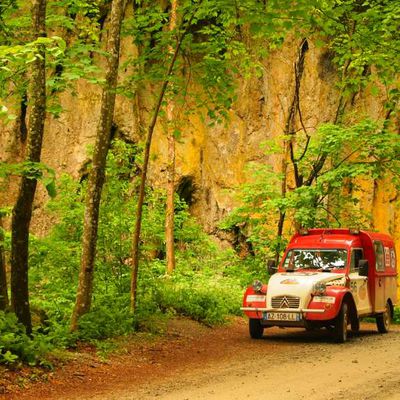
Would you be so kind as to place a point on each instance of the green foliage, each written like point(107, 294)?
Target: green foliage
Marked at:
point(327, 168)
point(396, 316)
point(363, 36)
point(220, 42)
point(210, 305)
point(66, 60)
point(31, 170)
point(206, 286)
point(201, 54)
point(109, 317)
point(16, 346)
point(206, 293)
point(363, 151)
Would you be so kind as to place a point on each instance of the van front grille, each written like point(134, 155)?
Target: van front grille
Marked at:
point(285, 302)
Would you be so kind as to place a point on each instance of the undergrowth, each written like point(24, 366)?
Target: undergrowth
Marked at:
point(207, 284)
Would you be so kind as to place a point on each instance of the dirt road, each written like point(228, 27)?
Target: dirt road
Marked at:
point(200, 363)
point(368, 367)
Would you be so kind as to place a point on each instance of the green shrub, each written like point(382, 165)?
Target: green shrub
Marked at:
point(202, 304)
point(396, 316)
point(204, 294)
point(16, 346)
point(104, 322)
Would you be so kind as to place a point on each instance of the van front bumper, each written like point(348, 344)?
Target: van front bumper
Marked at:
point(261, 314)
point(286, 310)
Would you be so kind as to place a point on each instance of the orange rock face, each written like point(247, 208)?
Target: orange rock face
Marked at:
point(211, 159)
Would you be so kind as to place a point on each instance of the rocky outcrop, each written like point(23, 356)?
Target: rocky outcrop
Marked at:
point(211, 160)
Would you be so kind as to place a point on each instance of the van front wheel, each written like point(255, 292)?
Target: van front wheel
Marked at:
point(256, 330)
point(383, 320)
point(355, 324)
point(342, 320)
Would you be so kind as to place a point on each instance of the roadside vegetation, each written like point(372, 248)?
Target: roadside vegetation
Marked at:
point(207, 284)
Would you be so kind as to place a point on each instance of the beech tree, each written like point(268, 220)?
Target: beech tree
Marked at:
point(143, 177)
point(191, 14)
point(352, 30)
point(22, 211)
point(97, 171)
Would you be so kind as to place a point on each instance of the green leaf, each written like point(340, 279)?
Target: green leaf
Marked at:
point(51, 188)
point(374, 90)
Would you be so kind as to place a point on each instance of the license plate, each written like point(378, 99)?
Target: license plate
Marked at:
point(282, 316)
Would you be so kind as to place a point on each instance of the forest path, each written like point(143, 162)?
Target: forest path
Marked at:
point(194, 362)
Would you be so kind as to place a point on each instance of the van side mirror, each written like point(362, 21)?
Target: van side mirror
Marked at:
point(271, 267)
point(363, 268)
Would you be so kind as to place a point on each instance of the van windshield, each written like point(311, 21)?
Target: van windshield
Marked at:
point(319, 259)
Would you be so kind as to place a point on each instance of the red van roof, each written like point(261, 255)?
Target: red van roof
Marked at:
point(337, 237)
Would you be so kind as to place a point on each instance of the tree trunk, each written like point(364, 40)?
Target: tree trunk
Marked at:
point(170, 205)
point(22, 212)
point(290, 138)
point(143, 178)
point(3, 274)
point(97, 172)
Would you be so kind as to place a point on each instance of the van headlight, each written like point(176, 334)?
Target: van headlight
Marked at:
point(257, 285)
point(319, 289)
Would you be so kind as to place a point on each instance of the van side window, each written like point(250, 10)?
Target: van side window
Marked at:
point(392, 258)
point(379, 256)
point(356, 256)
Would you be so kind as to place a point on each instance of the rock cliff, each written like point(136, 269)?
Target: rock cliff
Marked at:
point(211, 160)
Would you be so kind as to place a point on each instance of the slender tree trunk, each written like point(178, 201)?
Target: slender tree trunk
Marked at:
point(96, 175)
point(170, 205)
point(22, 212)
point(282, 214)
point(290, 137)
point(143, 178)
point(3, 273)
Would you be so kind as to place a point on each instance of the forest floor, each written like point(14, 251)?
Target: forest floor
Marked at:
point(191, 361)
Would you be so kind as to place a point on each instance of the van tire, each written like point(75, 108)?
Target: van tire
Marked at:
point(383, 320)
point(342, 320)
point(355, 324)
point(256, 330)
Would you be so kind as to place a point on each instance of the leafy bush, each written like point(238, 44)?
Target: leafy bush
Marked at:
point(207, 284)
point(396, 316)
point(209, 305)
point(107, 320)
point(16, 346)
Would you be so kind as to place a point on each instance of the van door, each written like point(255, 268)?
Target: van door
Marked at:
point(380, 301)
point(359, 284)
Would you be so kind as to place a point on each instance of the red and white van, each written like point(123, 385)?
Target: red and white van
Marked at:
point(327, 278)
